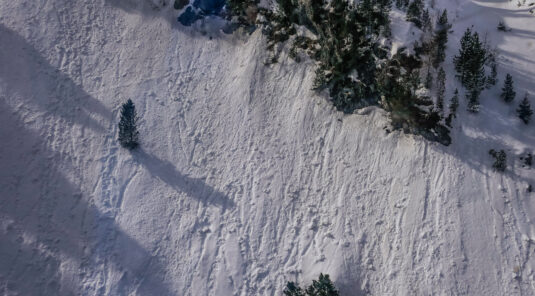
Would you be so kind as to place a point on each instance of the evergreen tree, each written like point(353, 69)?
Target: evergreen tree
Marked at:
point(500, 160)
point(441, 38)
point(128, 134)
point(454, 104)
point(492, 78)
point(502, 27)
point(524, 110)
point(473, 101)
point(461, 59)
point(508, 92)
point(292, 289)
point(475, 66)
point(322, 287)
point(414, 12)
point(441, 90)
point(426, 21)
point(469, 65)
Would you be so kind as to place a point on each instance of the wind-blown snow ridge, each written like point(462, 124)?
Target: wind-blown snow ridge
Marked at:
point(246, 178)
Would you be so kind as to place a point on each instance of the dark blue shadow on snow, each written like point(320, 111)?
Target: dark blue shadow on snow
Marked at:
point(200, 9)
point(209, 7)
point(189, 17)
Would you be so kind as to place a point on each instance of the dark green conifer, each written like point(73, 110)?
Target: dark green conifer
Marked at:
point(322, 287)
point(454, 104)
point(441, 90)
point(414, 12)
point(508, 91)
point(292, 289)
point(492, 79)
point(128, 134)
point(426, 21)
point(462, 58)
point(500, 160)
point(441, 39)
point(524, 110)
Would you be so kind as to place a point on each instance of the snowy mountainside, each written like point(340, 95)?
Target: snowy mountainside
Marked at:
point(246, 178)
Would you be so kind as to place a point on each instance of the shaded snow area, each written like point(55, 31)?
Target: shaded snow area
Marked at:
point(245, 178)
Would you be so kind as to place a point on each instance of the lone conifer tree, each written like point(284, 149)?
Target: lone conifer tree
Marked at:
point(508, 91)
point(128, 134)
point(524, 110)
point(500, 160)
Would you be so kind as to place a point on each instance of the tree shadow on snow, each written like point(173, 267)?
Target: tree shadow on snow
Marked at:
point(53, 240)
point(193, 187)
point(24, 72)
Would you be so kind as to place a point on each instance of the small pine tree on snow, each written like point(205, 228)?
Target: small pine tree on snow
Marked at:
point(441, 90)
point(502, 27)
point(322, 287)
point(454, 104)
point(500, 160)
point(524, 110)
point(414, 13)
point(508, 91)
point(128, 134)
point(473, 101)
point(492, 79)
point(528, 160)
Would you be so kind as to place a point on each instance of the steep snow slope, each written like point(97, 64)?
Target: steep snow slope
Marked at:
point(245, 177)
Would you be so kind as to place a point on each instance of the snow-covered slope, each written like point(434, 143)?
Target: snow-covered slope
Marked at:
point(245, 177)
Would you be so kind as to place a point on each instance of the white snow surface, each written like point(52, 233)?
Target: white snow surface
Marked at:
point(245, 178)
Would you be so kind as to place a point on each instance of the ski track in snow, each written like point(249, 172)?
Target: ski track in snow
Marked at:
point(245, 178)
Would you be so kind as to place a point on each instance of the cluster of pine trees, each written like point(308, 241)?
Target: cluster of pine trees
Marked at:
point(354, 65)
point(508, 94)
point(347, 43)
point(321, 287)
point(470, 67)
